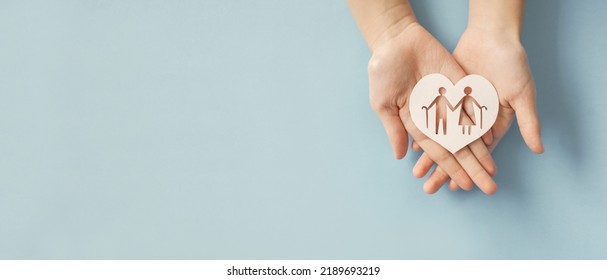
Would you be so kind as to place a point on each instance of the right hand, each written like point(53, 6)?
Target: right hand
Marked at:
point(502, 59)
point(399, 60)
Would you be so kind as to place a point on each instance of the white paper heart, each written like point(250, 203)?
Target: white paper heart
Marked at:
point(436, 104)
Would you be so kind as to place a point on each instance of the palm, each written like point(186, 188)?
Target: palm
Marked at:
point(394, 70)
point(505, 65)
point(396, 67)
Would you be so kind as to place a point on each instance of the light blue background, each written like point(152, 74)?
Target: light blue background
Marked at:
point(241, 129)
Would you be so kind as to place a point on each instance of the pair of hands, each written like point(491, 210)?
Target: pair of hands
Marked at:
point(406, 53)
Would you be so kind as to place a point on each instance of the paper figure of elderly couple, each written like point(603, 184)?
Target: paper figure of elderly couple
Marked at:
point(453, 114)
point(467, 118)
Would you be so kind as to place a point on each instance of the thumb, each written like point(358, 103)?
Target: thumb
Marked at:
point(396, 132)
point(528, 120)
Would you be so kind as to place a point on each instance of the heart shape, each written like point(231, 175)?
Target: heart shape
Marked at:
point(436, 109)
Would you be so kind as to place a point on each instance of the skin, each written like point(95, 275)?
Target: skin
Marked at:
point(491, 47)
point(402, 53)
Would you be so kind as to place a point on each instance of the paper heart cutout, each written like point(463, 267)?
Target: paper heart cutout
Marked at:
point(436, 104)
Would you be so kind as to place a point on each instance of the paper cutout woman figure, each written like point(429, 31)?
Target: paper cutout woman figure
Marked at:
point(441, 103)
point(467, 117)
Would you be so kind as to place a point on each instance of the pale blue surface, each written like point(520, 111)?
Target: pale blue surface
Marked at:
point(241, 129)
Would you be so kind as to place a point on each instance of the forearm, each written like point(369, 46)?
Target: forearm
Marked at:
point(503, 17)
point(381, 19)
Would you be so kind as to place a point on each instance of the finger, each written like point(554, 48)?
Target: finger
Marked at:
point(477, 173)
point(415, 146)
point(396, 132)
point(478, 149)
point(453, 186)
point(488, 138)
point(436, 152)
point(423, 165)
point(447, 161)
point(436, 180)
point(528, 121)
point(483, 155)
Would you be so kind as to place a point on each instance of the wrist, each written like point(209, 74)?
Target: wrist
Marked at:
point(494, 30)
point(497, 18)
point(380, 20)
point(505, 37)
point(391, 30)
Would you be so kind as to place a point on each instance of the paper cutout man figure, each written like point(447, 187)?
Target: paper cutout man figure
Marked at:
point(441, 103)
point(467, 117)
